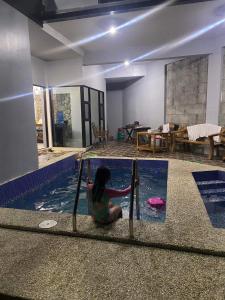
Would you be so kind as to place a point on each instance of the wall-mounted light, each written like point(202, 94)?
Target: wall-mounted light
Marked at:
point(126, 63)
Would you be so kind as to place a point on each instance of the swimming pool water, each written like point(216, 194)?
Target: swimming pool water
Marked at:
point(211, 185)
point(59, 195)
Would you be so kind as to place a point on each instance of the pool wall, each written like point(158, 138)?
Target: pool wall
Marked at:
point(30, 182)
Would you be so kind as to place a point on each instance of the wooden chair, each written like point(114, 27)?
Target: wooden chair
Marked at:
point(167, 136)
point(39, 133)
point(181, 137)
point(216, 145)
point(100, 135)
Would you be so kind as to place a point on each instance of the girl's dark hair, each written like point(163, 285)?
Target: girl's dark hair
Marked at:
point(102, 175)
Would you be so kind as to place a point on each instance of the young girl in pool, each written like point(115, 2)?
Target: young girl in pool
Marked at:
point(103, 211)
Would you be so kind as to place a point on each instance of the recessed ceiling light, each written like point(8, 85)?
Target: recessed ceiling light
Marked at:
point(126, 63)
point(112, 30)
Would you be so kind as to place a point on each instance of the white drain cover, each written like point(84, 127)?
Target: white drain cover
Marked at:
point(47, 224)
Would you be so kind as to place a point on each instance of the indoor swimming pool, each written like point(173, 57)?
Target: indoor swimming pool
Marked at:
point(53, 188)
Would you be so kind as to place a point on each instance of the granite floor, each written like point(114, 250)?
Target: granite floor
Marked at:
point(47, 266)
point(39, 266)
point(49, 155)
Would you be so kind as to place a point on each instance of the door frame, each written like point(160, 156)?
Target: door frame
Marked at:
point(45, 112)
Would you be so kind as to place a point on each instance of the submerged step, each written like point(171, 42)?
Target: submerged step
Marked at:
point(212, 186)
point(213, 191)
point(209, 182)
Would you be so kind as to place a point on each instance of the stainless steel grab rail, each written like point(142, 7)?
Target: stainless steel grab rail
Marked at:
point(131, 212)
point(89, 192)
point(132, 195)
point(77, 196)
point(137, 192)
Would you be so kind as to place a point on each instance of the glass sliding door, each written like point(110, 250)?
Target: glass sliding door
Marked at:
point(86, 116)
point(101, 111)
point(66, 116)
point(73, 110)
point(94, 107)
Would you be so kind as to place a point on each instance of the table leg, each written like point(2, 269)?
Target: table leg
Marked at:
point(137, 140)
point(154, 141)
point(129, 133)
point(149, 141)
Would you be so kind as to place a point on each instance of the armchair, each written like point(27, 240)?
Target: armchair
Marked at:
point(100, 135)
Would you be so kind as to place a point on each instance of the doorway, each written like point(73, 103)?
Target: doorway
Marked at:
point(73, 111)
point(40, 116)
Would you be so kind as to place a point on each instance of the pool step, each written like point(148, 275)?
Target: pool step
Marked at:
point(213, 185)
point(214, 205)
point(220, 192)
point(207, 182)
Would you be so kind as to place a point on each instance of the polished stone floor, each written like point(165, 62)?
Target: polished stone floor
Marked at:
point(127, 149)
point(46, 266)
point(40, 266)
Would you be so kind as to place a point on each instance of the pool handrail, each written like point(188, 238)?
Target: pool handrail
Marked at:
point(77, 195)
point(137, 191)
point(89, 181)
point(131, 212)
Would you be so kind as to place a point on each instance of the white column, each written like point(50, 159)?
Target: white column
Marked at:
point(214, 86)
point(18, 147)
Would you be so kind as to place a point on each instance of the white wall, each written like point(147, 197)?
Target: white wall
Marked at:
point(137, 69)
point(65, 72)
point(39, 72)
point(93, 76)
point(115, 111)
point(144, 100)
point(215, 68)
point(18, 149)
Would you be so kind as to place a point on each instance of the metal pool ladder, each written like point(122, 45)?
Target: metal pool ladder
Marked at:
point(77, 196)
point(134, 195)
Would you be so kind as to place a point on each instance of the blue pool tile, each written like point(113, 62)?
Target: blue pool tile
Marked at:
point(31, 181)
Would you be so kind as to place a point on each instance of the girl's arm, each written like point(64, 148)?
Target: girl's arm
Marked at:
point(90, 186)
point(117, 193)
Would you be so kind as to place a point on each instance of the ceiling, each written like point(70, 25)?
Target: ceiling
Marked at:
point(43, 45)
point(113, 84)
point(171, 23)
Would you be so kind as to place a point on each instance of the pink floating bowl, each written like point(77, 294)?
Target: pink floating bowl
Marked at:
point(156, 202)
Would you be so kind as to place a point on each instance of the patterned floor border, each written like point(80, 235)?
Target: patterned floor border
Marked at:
point(123, 149)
